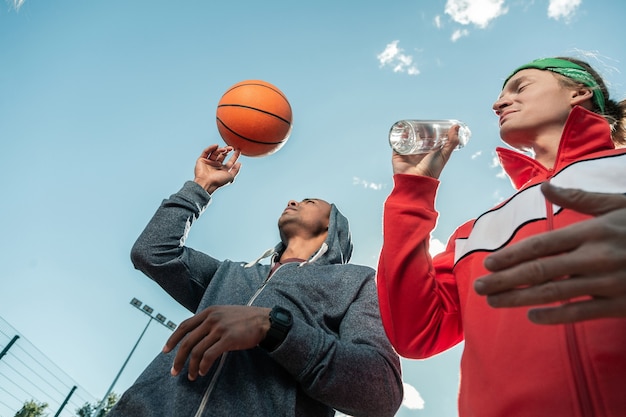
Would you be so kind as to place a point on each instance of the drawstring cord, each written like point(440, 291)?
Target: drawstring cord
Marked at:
point(320, 252)
point(265, 254)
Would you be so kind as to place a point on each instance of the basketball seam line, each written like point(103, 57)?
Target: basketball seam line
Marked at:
point(248, 139)
point(259, 110)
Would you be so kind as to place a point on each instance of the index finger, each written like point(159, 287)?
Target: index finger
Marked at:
point(583, 201)
point(233, 158)
point(535, 247)
point(181, 331)
point(209, 150)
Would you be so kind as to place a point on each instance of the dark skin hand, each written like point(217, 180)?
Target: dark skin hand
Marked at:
point(214, 169)
point(213, 331)
point(591, 255)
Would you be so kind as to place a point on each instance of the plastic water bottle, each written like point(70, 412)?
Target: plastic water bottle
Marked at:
point(410, 137)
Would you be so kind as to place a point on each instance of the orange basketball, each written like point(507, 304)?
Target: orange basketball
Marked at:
point(255, 117)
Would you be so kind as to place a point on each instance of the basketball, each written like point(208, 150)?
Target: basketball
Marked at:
point(254, 116)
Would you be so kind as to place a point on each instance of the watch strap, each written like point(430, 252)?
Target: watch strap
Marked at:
point(280, 324)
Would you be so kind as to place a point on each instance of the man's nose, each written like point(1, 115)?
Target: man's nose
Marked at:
point(500, 104)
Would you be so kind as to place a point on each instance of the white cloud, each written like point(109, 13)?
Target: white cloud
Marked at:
point(395, 57)
point(476, 154)
point(413, 71)
point(412, 398)
point(495, 163)
point(498, 197)
point(16, 3)
point(367, 184)
point(458, 34)
point(438, 22)
point(386, 56)
point(476, 12)
point(563, 9)
point(436, 246)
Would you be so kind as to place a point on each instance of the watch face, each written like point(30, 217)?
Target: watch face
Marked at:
point(281, 316)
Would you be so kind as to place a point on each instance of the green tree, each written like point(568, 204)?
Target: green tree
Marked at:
point(88, 410)
point(32, 409)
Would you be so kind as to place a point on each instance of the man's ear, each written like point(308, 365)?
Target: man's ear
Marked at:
point(581, 95)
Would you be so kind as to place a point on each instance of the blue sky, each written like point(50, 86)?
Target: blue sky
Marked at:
point(104, 107)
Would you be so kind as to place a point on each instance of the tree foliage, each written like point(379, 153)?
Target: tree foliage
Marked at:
point(89, 410)
point(32, 409)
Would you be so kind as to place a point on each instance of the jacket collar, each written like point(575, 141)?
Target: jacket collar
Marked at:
point(585, 133)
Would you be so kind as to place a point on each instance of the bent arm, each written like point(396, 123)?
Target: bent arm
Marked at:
point(356, 371)
point(160, 250)
point(418, 297)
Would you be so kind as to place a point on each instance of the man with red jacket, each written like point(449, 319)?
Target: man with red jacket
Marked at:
point(553, 253)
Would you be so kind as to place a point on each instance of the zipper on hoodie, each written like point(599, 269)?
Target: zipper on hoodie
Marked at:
point(207, 392)
point(580, 380)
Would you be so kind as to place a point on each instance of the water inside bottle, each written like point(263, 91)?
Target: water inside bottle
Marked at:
point(408, 137)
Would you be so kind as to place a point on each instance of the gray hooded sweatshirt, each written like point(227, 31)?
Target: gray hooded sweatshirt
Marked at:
point(335, 357)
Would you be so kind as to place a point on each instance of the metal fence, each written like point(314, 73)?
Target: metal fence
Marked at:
point(27, 374)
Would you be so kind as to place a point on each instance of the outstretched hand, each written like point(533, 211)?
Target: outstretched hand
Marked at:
point(583, 265)
point(213, 331)
point(430, 164)
point(213, 171)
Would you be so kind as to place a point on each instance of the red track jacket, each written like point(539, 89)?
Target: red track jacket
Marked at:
point(510, 366)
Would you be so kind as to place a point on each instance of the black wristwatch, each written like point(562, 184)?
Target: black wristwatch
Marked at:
point(281, 322)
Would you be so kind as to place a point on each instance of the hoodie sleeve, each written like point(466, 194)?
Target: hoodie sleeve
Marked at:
point(418, 296)
point(357, 371)
point(160, 250)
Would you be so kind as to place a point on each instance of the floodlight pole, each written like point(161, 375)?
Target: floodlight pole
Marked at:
point(65, 401)
point(148, 311)
point(7, 347)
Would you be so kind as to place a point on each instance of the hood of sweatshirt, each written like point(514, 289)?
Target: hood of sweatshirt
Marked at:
point(336, 249)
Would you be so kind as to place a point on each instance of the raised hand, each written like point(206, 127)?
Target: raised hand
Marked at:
point(430, 164)
point(213, 171)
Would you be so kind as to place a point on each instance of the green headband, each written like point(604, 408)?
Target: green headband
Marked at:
point(570, 70)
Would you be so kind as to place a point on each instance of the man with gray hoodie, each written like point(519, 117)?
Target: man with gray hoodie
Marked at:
point(301, 336)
